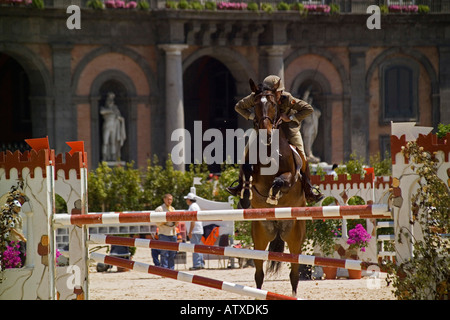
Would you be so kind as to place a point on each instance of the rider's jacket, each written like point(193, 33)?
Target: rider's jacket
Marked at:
point(288, 104)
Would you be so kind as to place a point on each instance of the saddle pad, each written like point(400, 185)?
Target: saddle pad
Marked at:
point(298, 161)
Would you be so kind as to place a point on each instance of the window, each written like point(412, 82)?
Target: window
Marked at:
point(399, 92)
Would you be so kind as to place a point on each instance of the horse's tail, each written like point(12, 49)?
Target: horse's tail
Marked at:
point(276, 245)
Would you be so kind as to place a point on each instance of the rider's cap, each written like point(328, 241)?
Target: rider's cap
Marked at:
point(190, 196)
point(270, 82)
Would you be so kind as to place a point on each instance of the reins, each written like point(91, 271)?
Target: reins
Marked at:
point(274, 124)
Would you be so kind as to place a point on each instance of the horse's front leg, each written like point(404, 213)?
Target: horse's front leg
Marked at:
point(246, 191)
point(280, 185)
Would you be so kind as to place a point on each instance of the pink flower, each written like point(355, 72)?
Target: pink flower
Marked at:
point(110, 4)
point(10, 258)
point(120, 4)
point(358, 237)
point(131, 5)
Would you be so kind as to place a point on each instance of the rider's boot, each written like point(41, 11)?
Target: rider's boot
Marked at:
point(310, 195)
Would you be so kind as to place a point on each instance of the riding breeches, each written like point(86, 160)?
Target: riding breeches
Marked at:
point(292, 132)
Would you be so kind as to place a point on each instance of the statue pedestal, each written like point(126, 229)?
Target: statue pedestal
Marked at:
point(113, 164)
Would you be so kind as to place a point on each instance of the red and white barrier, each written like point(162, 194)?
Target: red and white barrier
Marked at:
point(300, 213)
point(231, 252)
point(186, 277)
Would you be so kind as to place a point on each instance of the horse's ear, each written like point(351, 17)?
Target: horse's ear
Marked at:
point(253, 86)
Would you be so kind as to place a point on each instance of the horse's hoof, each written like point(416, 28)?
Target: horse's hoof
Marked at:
point(244, 203)
point(272, 201)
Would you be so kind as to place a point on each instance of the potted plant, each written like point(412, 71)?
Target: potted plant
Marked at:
point(323, 234)
point(358, 238)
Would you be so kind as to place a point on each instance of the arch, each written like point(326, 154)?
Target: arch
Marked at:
point(135, 74)
point(418, 57)
point(328, 56)
point(38, 73)
point(239, 66)
point(327, 75)
point(134, 56)
point(128, 110)
point(41, 87)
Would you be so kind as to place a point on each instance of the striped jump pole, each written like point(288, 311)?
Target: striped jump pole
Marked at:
point(231, 252)
point(299, 213)
point(186, 277)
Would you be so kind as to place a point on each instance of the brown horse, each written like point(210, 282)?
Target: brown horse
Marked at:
point(280, 189)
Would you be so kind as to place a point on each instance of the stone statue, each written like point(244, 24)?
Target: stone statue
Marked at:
point(114, 133)
point(310, 127)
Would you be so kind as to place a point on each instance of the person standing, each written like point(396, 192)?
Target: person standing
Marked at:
point(167, 232)
point(195, 232)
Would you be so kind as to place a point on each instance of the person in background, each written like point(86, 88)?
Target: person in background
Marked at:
point(195, 232)
point(332, 172)
point(156, 252)
point(167, 232)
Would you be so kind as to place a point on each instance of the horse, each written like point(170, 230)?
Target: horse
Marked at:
point(281, 189)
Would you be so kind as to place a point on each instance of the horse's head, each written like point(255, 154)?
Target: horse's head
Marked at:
point(266, 110)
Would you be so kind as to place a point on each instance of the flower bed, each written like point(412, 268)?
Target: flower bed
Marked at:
point(399, 8)
point(317, 8)
point(119, 4)
point(232, 6)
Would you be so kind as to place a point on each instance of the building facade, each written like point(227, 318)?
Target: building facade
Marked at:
point(169, 68)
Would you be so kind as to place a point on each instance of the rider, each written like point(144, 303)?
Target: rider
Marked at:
point(293, 111)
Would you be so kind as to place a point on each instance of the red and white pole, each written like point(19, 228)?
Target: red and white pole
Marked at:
point(299, 213)
point(230, 252)
point(186, 277)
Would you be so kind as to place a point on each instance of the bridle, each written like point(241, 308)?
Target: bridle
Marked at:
point(263, 95)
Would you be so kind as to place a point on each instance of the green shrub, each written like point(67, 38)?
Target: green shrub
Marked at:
point(114, 189)
point(38, 4)
point(299, 7)
point(171, 5)
point(196, 5)
point(183, 4)
point(252, 6)
point(381, 167)
point(143, 5)
point(423, 9)
point(283, 6)
point(95, 4)
point(442, 130)
point(334, 8)
point(267, 7)
point(210, 5)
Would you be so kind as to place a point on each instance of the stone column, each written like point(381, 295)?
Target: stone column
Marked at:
point(444, 84)
point(64, 114)
point(174, 93)
point(275, 61)
point(359, 107)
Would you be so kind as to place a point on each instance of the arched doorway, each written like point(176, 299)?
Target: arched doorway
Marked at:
point(312, 92)
point(121, 100)
point(209, 91)
point(124, 90)
point(15, 121)
point(319, 88)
